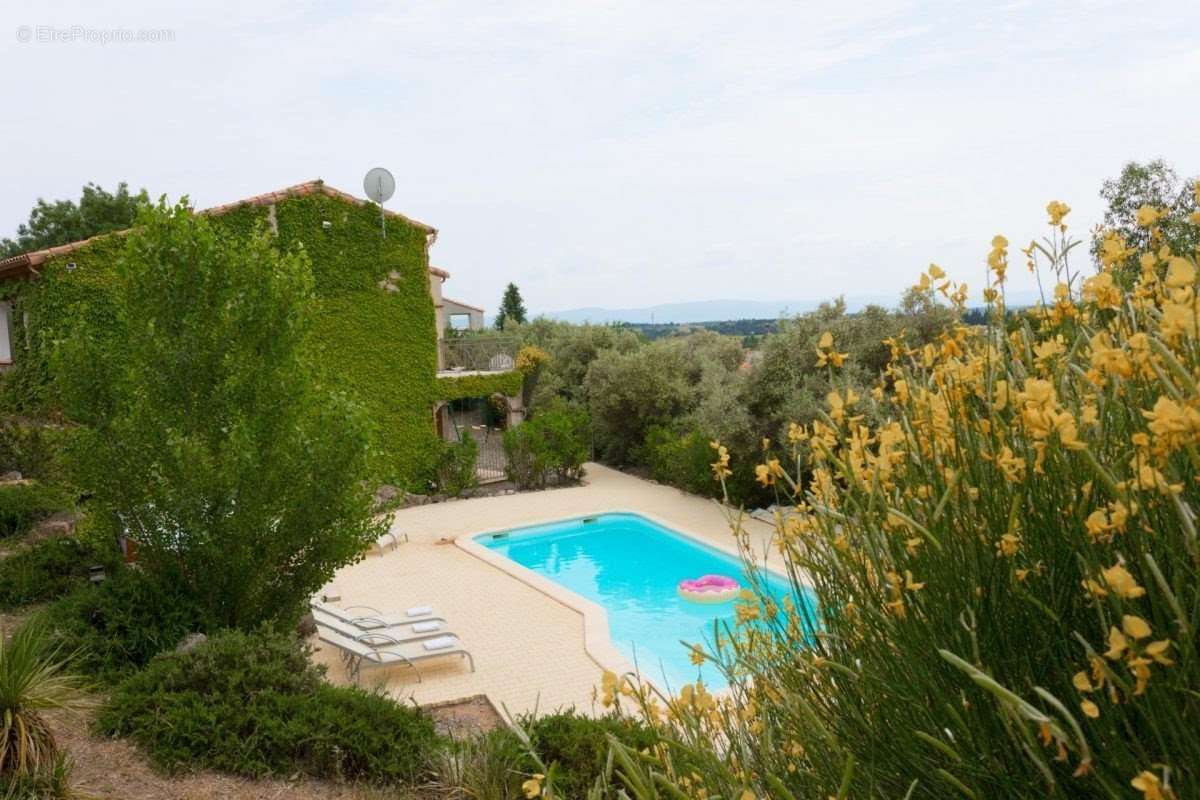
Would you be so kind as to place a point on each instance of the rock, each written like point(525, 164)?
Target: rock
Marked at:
point(11, 476)
point(386, 495)
point(190, 642)
point(307, 626)
point(61, 523)
point(411, 499)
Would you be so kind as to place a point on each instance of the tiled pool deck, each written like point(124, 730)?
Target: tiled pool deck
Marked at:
point(532, 647)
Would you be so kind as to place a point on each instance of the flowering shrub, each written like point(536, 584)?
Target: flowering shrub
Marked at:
point(1007, 563)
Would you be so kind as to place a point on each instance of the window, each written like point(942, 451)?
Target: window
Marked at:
point(5, 334)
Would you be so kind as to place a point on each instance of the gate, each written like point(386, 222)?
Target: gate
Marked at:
point(484, 420)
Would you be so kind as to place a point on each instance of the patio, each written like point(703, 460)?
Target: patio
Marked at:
point(529, 648)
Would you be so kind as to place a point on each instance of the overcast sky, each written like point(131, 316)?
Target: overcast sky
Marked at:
point(622, 153)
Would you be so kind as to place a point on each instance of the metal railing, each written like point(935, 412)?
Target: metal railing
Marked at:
point(479, 353)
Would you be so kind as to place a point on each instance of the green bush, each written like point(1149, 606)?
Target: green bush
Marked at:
point(52, 568)
point(31, 448)
point(681, 461)
point(525, 463)
point(570, 746)
point(252, 704)
point(456, 466)
point(579, 745)
point(23, 505)
point(118, 626)
point(551, 446)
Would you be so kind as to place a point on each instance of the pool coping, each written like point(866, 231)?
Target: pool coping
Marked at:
point(597, 641)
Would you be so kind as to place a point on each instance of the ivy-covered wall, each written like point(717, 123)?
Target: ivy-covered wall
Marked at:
point(380, 343)
point(458, 387)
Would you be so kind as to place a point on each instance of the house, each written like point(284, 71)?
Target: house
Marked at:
point(459, 316)
point(379, 330)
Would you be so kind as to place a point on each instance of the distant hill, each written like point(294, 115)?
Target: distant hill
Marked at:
point(731, 310)
point(703, 311)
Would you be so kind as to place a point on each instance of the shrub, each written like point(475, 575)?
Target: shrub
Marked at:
point(22, 505)
point(525, 461)
point(33, 680)
point(118, 626)
point(579, 745)
point(572, 749)
point(456, 466)
point(252, 704)
point(551, 446)
point(52, 568)
point(206, 432)
point(681, 461)
point(52, 782)
point(1006, 564)
point(31, 448)
point(486, 766)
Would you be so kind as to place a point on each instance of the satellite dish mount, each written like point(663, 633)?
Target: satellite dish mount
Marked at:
point(380, 186)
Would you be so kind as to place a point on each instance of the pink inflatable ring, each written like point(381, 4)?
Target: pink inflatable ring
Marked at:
point(709, 589)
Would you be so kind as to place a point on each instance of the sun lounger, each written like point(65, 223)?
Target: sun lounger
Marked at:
point(380, 650)
point(428, 629)
point(390, 541)
point(368, 618)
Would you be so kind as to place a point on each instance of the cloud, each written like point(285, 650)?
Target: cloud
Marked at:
point(626, 153)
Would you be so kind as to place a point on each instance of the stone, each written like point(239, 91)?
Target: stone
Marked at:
point(411, 499)
point(385, 495)
point(12, 476)
point(190, 642)
point(307, 626)
point(60, 523)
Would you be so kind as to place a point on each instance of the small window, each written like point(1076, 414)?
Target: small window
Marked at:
point(5, 334)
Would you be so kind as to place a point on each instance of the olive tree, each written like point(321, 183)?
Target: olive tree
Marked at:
point(205, 433)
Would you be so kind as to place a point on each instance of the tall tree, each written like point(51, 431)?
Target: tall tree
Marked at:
point(64, 221)
point(512, 307)
point(206, 435)
point(1154, 184)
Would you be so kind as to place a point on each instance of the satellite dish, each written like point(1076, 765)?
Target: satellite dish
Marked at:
point(379, 185)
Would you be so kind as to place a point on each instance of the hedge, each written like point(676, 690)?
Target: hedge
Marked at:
point(457, 388)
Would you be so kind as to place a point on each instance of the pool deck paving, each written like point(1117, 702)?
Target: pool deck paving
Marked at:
point(536, 646)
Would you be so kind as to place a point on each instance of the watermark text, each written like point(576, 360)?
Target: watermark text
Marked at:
point(83, 34)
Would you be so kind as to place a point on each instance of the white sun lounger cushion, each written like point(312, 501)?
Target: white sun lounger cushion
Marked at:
point(420, 611)
point(440, 643)
point(426, 627)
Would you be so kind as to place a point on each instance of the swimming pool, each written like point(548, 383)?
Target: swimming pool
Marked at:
point(632, 567)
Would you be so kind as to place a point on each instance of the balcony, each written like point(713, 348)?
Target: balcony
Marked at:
point(482, 353)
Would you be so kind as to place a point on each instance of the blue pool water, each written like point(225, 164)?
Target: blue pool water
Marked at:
point(632, 567)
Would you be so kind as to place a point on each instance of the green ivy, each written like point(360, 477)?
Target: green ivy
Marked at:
point(378, 343)
point(451, 387)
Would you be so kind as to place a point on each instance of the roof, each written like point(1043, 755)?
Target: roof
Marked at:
point(461, 303)
point(14, 265)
